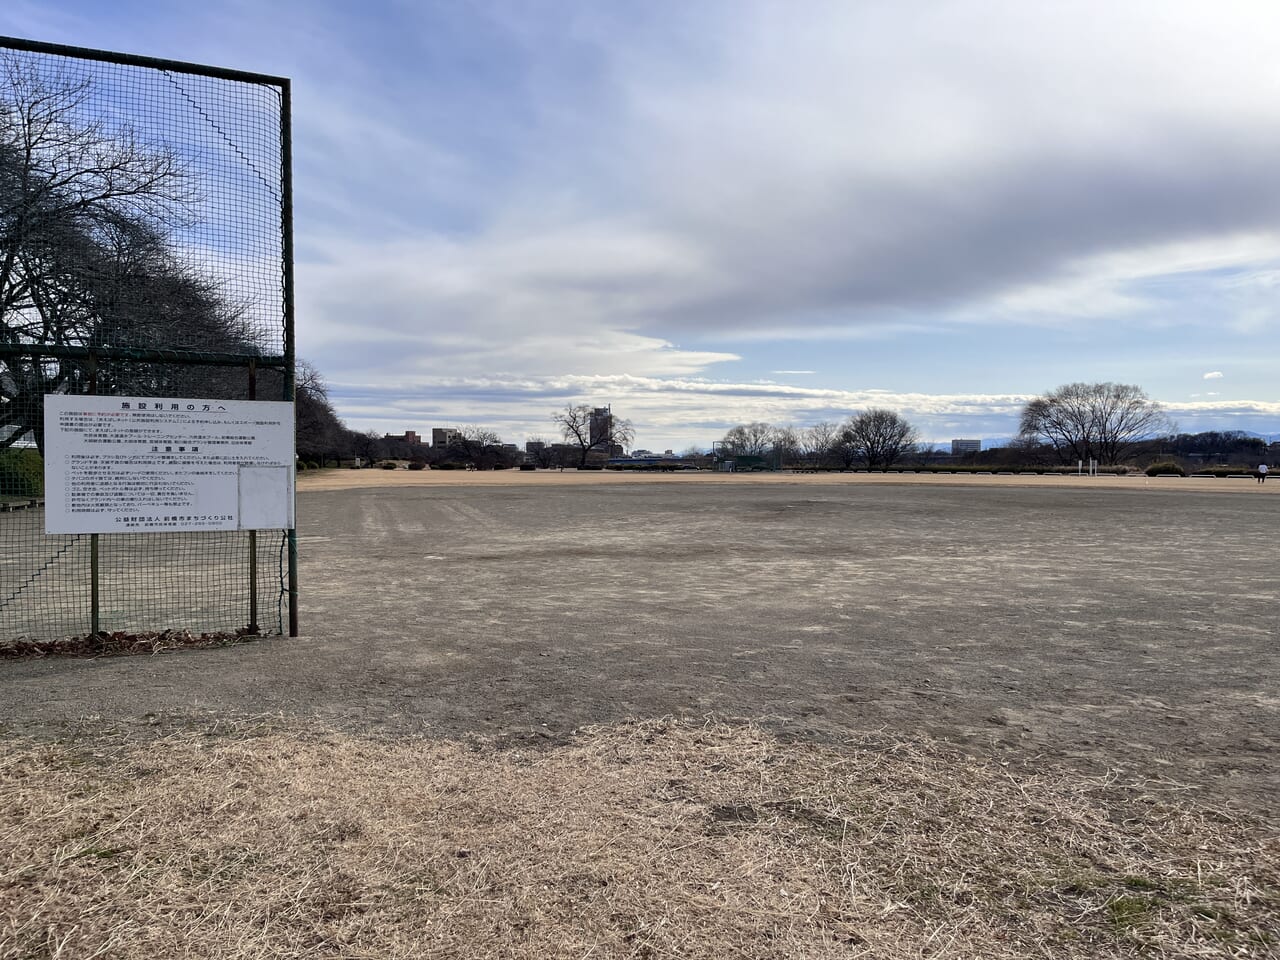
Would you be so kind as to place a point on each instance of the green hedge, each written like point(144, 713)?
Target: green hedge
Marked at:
point(21, 474)
point(1165, 469)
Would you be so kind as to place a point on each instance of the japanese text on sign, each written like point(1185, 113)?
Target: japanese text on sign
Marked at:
point(136, 464)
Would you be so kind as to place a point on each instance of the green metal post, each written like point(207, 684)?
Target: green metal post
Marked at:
point(253, 534)
point(286, 233)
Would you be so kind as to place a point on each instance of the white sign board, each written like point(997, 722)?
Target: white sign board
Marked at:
point(139, 464)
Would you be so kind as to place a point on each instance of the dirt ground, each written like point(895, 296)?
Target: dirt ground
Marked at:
point(1111, 624)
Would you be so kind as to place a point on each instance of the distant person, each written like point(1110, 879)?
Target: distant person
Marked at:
point(1262, 473)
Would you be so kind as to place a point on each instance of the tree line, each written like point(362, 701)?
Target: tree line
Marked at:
point(873, 439)
point(1108, 423)
point(585, 440)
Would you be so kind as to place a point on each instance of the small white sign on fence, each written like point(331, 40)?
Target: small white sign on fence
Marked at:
point(148, 464)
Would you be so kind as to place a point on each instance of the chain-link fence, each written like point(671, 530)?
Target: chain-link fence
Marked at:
point(145, 251)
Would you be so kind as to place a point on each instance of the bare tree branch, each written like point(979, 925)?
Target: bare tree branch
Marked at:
point(878, 438)
point(592, 430)
point(1093, 421)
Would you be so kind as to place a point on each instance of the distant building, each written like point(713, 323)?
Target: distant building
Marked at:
point(601, 426)
point(961, 447)
point(409, 437)
point(443, 436)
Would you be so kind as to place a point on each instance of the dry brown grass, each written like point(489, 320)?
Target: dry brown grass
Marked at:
point(652, 839)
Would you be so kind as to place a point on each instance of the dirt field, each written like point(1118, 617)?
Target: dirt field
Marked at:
point(1112, 624)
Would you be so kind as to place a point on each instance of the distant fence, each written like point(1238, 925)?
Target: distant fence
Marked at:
point(145, 251)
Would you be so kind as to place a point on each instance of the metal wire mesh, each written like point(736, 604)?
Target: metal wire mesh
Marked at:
point(147, 582)
point(143, 252)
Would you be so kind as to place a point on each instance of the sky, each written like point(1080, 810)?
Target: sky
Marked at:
point(708, 212)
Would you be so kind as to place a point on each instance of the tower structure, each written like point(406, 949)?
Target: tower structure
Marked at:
point(601, 426)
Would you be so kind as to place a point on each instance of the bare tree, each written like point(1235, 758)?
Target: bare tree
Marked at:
point(818, 443)
point(478, 446)
point(924, 453)
point(71, 192)
point(87, 215)
point(750, 439)
point(367, 445)
point(592, 429)
point(1093, 421)
point(878, 438)
point(318, 431)
point(85, 209)
point(786, 445)
point(538, 452)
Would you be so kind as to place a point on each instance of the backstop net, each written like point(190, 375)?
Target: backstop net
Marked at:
point(145, 252)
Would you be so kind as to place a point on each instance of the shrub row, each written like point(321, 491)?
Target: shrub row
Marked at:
point(1225, 471)
point(1168, 468)
point(21, 473)
point(1119, 471)
point(967, 468)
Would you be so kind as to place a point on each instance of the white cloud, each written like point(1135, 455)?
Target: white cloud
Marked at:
point(822, 172)
point(851, 160)
point(562, 302)
point(1112, 284)
point(1213, 375)
point(1259, 416)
